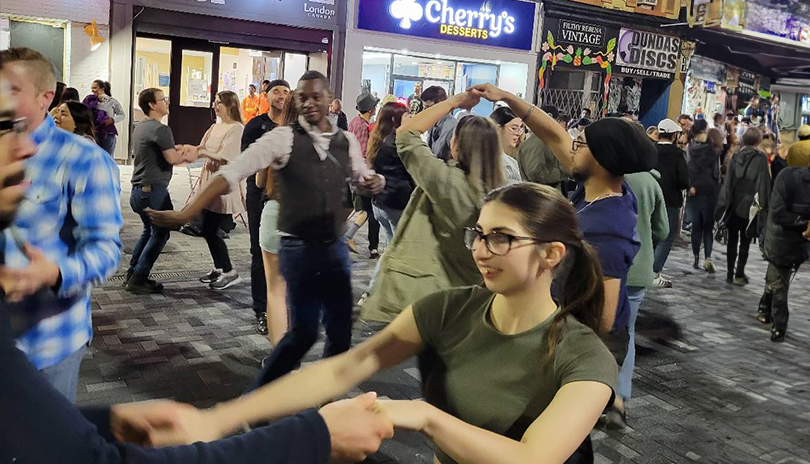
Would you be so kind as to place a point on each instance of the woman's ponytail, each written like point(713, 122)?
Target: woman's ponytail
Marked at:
point(583, 294)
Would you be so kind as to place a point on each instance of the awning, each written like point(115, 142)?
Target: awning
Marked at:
point(761, 56)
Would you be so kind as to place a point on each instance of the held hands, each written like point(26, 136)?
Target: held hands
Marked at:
point(465, 100)
point(167, 219)
point(20, 283)
point(189, 153)
point(371, 185)
point(410, 415)
point(489, 92)
point(212, 166)
point(692, 192)
point(355, 429)
point(806, 233)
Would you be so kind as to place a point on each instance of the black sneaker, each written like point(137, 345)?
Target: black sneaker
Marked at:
point(374, 254)
point(261, 323)
point(777, 336)
point(146, 287)
point(128, 276)
point(212, 276)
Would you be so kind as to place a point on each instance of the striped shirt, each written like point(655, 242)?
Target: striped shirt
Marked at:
point(359, 127)
point(72, 213)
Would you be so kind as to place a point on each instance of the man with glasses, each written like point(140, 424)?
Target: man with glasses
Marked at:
point(69, 221)
point(155, 155)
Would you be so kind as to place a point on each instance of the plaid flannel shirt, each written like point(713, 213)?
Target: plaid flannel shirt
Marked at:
point(360, 128)
point(72, 213)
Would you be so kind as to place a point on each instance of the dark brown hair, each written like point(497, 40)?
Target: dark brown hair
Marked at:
point(104, 86)
point(82, 118)
point(549, 217)
point(289, 116)
point(388, 120)
point(231, 101)
point(146, 98)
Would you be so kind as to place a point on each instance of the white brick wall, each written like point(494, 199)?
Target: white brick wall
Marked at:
point(85, 66)
point(72, 10)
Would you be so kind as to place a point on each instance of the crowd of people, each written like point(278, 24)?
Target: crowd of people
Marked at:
point(518, 236)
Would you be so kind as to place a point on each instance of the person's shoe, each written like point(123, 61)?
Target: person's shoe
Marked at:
point(374, 254)
point(128, 276)
point(741, 281)
point(709, 266)
point(729, 279)
point(362, 299)
point(225, 280)
point(696, 264)
point(212, 276)
point(146, 287)
point(661, 282)
point(764, 318)
point(261, 323)
point(777, 336)
point(352, 246)
point(614, 419)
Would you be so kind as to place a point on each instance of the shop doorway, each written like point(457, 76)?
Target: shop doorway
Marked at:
point(191, 72)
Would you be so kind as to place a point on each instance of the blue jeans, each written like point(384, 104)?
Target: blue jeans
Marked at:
point(65, 376)
point(665, 246)
point(153, 239)
point(624, 387)
point(388, 219)
point(108, 144)
point(702, 212)
point(318, 279)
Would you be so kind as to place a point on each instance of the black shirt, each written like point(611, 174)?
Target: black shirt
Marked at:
point(674, 177)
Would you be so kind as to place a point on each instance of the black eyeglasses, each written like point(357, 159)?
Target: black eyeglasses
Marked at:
point(19, 125)
point(577, 143)
point(498, 243)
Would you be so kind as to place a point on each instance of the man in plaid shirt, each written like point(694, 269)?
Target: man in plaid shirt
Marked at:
point(69, 222)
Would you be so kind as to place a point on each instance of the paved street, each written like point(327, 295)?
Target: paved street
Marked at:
point(710, 386)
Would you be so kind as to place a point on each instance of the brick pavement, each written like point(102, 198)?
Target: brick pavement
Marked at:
point(710, 386)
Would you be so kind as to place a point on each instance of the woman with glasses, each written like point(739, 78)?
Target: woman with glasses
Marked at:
point(221, 144)
point(427, 252)
point(511, 128)
point(509, 374)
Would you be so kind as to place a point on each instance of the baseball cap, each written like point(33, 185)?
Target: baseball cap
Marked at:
point(668, 126)
point(803, 131)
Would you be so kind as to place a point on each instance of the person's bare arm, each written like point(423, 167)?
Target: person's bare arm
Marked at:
point(551, 439)
point(169, 219)
point(309, 387)
point(613, 288)
point(428, 118)
point(540, 123)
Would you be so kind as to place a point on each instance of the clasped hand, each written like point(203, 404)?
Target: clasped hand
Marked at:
point(20, 283)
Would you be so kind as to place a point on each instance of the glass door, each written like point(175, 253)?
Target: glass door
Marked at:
point(194, 64)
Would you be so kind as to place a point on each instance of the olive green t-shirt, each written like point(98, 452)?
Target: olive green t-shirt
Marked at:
point(496, 381)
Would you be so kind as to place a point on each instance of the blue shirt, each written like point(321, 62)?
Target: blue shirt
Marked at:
point(72, 213)
point(609, 225)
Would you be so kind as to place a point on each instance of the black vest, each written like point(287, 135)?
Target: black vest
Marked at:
point(312, 191)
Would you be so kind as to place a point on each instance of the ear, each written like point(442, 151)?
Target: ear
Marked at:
point(552, 254)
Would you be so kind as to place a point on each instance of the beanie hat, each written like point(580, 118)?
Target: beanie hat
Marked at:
point(621, 147)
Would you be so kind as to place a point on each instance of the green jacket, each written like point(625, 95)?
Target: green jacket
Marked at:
point(652, 225)
point(538, 164)
point(427, 253)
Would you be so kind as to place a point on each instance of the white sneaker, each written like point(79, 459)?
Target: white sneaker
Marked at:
point(225, 280)
point(662, 282)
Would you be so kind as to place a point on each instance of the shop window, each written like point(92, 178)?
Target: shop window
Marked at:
point(195, 79)
point(424, 67)
point(153, 59)
point(376, 72)
point(295, 65)
point(47, 38)
point(573, 80)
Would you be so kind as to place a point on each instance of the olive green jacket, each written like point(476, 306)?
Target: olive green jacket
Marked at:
point(427, 253)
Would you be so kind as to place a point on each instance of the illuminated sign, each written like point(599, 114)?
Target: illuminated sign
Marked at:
point(502, 23)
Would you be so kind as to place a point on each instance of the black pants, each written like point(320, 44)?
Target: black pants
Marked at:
point(736, 232)
point(258, 285)
point(775, 299)
point(373, 224)
point(216, 245)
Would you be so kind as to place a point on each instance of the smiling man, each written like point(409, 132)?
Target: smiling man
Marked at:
point(314, 161)
point(70, 219)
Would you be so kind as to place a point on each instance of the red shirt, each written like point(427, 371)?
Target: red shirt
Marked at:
point(360, 128)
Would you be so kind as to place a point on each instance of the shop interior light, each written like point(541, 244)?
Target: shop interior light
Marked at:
point(96, 39)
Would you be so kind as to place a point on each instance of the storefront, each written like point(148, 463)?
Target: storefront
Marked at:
point(598, 65)
point(58, 32)
point(192, 50)
point(401, 47)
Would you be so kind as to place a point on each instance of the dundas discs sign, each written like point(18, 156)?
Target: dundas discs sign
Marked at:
point(501, 23)
point(646, 54)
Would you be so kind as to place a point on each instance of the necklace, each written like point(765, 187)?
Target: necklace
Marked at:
point(601, 197)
